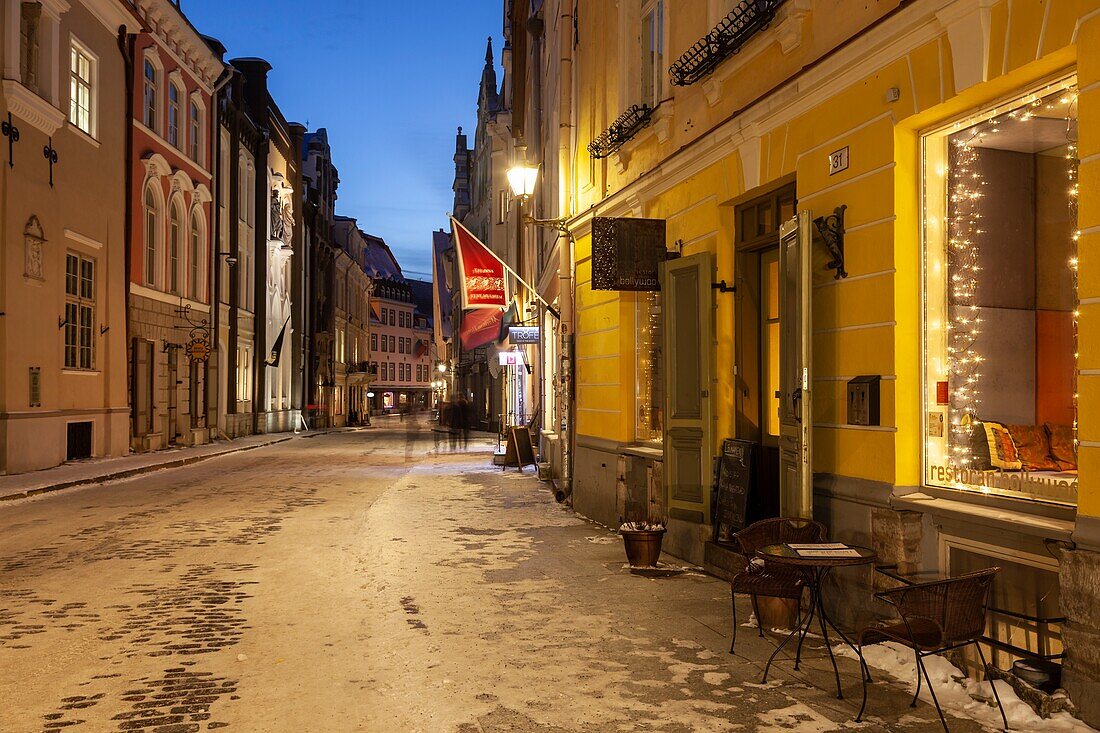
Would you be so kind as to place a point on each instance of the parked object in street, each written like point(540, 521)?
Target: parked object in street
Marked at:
point(761, 578)
point(643, 543)
point(935, 617)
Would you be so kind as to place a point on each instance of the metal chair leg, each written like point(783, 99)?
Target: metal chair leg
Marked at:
point(985, 670)
point(733, 607)
point(916, 656)
point(932, 689)
point(866, 678)
point(759, 621)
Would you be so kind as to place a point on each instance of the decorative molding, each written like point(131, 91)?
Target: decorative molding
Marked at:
point(156, 166)
point(35, 110)
point(112, 15)
point(712, 90)
point(749, 151)
point(789, 30)
point(54, 9)
point(81, 239)
point(662, 128)
point(968, 30)
point(181, 182)
point(621, 160)
point(201, 194)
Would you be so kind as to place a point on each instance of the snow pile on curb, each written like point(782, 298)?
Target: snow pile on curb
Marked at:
point(959, 694)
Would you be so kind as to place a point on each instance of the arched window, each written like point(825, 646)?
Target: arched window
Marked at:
point(175, 234)
point(195, 257)
point(152, 232)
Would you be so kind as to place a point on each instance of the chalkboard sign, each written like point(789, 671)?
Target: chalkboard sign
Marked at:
point(519, 451)
point(733, 482)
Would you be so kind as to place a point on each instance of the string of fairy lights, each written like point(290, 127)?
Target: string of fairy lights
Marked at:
point(964, 229)
point(649, 356)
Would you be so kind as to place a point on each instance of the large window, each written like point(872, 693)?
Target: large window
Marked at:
point(174, 115)
point(1000, 203)
point(151, 91)
point(79, 312)
point(82, 88)
point(649, 394)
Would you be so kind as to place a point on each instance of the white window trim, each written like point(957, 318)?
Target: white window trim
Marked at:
point(175, 203)
point(150, 55)
point(196, 99)
point(93, 94)
point(175, 79)
point(160, 220)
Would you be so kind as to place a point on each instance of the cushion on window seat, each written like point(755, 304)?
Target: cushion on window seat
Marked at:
point(1033, 447)
point(992, 447)
point(1062, 449)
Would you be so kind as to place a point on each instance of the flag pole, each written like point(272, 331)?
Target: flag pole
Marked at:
point(553, 311)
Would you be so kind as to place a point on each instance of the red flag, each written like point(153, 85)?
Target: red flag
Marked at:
point(481, 274)
point(480, 327)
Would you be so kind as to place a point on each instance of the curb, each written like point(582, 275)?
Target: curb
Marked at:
point(136, 471)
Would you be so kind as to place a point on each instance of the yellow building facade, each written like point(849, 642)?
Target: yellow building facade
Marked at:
point(961, 143)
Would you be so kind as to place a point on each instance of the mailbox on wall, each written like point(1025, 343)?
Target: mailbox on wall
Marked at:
point(864, 400)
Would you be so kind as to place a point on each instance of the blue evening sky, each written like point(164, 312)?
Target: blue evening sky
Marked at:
point(390, 80)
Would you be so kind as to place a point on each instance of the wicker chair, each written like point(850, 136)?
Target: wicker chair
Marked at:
point(760, 578)
point(935, 617)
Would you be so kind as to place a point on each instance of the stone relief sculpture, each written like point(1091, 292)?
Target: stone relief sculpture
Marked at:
point(33, 239)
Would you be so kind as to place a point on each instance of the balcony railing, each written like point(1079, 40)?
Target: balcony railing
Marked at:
point(626, 126)
point(743, 22)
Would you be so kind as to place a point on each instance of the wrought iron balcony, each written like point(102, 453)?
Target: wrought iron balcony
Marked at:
point(725, 39)
point(625, 126)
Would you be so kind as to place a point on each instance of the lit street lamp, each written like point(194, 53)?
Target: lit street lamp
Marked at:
point(521, 179)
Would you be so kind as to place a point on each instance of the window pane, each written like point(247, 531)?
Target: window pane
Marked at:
point(87, 279)
point(72, 270)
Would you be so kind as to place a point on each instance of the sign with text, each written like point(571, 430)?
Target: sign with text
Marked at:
point(626, 253)
point(733, 483)
point(481, 274)
point(511, 358)
point(524, 334)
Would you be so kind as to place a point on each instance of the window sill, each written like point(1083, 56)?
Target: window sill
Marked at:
point(1017, 519)
point(81, 372)
point(85, 136)
point(644, 451)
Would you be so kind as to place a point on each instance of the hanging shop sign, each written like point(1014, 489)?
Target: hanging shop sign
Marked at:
point(511, 358)
point(481, 272)
point(626, 253)
point(198, 349)
point(524, 334)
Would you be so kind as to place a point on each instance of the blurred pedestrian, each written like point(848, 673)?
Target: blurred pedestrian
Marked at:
point(466, 417)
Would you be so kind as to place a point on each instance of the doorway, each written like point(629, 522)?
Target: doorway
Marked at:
point(758, 334)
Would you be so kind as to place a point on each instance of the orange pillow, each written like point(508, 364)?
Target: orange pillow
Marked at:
point(1062, 449)
point(1033, 446)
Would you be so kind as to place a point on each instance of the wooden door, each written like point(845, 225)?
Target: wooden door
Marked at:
point(689, 351)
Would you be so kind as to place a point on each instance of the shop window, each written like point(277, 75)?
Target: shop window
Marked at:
point(649, 393)
point(1000, 210)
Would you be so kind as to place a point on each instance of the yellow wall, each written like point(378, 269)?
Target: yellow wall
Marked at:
point(868, 323)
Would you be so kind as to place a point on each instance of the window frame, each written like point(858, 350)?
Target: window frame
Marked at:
point(150, 98)
point(79, 337)
point(172, 127)
point(76, 47)
point(153, 226)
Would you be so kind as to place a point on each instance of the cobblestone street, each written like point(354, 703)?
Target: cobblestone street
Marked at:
point(372, 580)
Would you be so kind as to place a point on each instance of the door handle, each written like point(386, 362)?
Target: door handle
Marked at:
point(796, 403)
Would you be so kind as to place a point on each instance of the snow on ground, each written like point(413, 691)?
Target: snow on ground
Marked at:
point(959, 694)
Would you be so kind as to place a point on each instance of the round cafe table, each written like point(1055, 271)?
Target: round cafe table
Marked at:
point(814, 571)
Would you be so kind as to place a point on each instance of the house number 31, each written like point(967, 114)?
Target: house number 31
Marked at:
point(838, 161)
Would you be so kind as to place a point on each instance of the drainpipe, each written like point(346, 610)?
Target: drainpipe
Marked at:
point(565, 247)
point(215, 129)
point(126, 42)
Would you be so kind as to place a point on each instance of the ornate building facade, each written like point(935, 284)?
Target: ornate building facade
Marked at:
point(174, 71)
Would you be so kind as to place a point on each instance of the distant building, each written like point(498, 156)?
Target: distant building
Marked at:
point(174, 73)
point(320, 180)
point(63, 285)
point(271, 261)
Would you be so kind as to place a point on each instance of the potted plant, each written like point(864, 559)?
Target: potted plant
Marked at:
point(643, 543)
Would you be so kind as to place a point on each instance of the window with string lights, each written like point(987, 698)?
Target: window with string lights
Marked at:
point(1000, 299)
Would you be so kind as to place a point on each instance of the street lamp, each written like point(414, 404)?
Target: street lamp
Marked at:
point(521, 179)
point(442, 368)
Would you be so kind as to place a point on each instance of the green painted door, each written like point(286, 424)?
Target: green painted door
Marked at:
point(689, 354)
